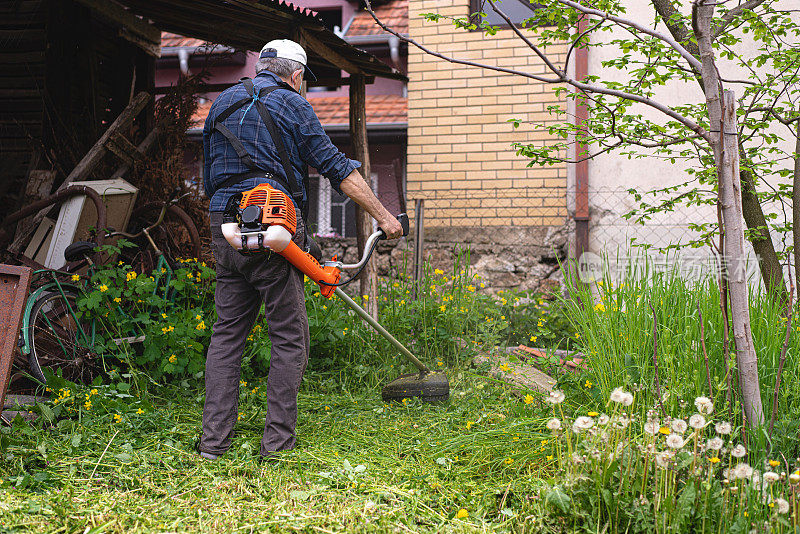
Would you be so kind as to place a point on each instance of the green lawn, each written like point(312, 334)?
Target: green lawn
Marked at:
point(360, 465)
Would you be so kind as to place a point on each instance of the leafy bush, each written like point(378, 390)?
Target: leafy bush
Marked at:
point(174, 311)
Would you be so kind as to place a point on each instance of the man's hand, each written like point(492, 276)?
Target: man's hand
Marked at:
point(356, 188)
point(392, 228)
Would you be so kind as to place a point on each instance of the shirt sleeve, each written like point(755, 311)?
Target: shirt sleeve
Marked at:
point(315, 147)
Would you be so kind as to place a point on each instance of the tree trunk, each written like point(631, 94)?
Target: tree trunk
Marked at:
point(358, 137)
point(796, 207)
point(768, 263)
point(735, 261)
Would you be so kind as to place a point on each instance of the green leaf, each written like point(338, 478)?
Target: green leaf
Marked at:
point(558, 498)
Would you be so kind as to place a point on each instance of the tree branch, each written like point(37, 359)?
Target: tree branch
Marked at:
point(589, 88)
point(671, 18)
point(690, 59)
point(728, 17)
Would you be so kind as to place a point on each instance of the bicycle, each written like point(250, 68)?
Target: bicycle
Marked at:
point(55, 335)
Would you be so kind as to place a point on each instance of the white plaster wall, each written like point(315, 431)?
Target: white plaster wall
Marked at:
point(610, 174)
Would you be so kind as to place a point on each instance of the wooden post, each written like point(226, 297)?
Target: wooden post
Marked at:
point(358, 138)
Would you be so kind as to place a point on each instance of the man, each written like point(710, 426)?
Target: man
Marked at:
point(263, 131)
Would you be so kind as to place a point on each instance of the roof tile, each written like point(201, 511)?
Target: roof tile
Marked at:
point(335, 110)
point(394, 14)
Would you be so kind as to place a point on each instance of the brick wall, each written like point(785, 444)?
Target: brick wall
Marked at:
point(459, 141)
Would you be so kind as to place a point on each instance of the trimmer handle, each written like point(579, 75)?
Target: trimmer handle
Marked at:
point(403, 220)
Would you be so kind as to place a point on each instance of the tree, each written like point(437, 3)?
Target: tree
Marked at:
point(732, 146)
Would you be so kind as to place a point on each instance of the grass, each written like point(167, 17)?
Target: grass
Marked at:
point(481, 452)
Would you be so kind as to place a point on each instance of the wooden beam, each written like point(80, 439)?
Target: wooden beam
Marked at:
point(136, 30)
point(327, 53)
point(93, 157)
point(358, 140)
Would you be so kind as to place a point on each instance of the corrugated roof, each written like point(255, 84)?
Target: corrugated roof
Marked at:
point(335, 110)
point(394, 14)
point(248, 24)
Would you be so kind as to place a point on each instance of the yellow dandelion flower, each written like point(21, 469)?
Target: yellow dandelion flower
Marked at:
point(471, 288)
point(173, 359)
point(76, 277)
point(713, 460)
point(93, 392)
point(664, 430)
point(774, 463)
point(117, 418)
point(509, 461)
point(201, 326)
point(600, 307)
point(442, 307)
point(505, 368)
point(469, 424)
point(198, 317)
point(533, 339)
point(140, 411)
point(528, 399)
point(462, 514)
point(117, 300)
point(438, 271)
point(588, 385)
point(163, 315)
point(243, 383)
point(593, 414)
point(131, 275)
point(103, 288)
point(87, 405)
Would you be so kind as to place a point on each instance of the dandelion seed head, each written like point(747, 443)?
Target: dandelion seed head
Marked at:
point(704, 405)
point(554, 424)
point(771, 477)
point(739, 451)
point(652, 426)
point(782, 505)
point(723, 428)
point(582, 423)
point(678, 425)
point(619, 395)
point(714, 444)
point(674, 441)
point(556, 397)
point(697, 421)
point(743, 471)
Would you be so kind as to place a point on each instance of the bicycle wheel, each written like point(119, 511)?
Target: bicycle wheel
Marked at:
point(59, 340)
point(176, 236)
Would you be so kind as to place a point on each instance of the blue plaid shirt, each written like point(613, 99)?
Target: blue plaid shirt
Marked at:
point(303, 136)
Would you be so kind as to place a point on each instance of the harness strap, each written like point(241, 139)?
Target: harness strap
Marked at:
point(277, 138)
point(290, 183)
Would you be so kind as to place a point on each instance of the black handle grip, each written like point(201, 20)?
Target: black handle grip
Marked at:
point(403, 220)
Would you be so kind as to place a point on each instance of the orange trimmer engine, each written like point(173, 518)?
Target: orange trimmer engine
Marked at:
point(263, 220)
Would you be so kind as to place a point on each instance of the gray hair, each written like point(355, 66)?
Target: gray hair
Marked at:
point(282, 67)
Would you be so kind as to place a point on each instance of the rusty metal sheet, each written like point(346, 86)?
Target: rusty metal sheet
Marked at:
point(15, 281)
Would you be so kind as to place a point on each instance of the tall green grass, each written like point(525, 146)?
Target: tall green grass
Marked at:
point(615, 322)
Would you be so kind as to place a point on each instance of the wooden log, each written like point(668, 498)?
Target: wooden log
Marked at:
point(358, 139)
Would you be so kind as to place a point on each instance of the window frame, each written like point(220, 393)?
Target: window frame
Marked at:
point(474, 7)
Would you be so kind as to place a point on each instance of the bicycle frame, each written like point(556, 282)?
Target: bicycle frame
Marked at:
point(25, 347)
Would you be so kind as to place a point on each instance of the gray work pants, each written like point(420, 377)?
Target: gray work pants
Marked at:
point(243, 284)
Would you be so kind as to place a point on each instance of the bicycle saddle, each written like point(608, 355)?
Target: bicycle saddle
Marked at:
point(79, 250)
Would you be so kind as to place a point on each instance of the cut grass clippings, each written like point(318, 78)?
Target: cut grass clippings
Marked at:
point(360, 465)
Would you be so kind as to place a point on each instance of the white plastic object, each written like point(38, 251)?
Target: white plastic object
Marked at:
point(277, 238)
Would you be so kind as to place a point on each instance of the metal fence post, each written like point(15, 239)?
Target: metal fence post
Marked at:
point(419, 241)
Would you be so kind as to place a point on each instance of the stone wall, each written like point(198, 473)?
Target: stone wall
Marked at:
point(506, 257)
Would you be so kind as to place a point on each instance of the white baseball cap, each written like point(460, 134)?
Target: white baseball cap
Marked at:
point(286, 49)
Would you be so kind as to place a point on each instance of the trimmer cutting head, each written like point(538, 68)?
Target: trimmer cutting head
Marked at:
point(431, 386)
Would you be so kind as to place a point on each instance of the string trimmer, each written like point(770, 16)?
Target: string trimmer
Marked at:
point(263, 219)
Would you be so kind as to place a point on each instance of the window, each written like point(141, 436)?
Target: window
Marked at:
point(516, 10)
